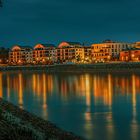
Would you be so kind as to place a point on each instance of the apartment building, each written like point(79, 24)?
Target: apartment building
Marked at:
point(70, 52)
point(131, 54)
point(20, 55)
point(108, 50)
point(44, 53)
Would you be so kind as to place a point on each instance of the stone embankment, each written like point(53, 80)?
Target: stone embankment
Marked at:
point(99, 67)
point(18, 124)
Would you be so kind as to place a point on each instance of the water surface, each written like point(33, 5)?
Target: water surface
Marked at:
point(95, 106)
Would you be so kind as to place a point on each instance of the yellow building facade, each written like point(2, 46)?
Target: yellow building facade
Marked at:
point(70, 52)
point(108, 50)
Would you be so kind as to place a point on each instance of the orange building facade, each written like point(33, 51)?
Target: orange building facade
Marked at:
point(44, 53)
point(132, 54)
point(20, 55)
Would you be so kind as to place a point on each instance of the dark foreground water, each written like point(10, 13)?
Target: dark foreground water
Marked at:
point(95, 106)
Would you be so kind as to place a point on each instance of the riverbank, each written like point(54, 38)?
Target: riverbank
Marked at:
point(98, 67)
point(16, 123)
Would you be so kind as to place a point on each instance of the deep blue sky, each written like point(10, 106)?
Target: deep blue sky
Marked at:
point(52, 21)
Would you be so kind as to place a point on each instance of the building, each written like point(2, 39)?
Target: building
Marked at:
point(44, 53)
point(70, 52)
point(87, 54)
point(136, 44)
point(131, 54)
point(108, 50)
point(20, 55)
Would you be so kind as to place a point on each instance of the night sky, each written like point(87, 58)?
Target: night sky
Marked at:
point(28, 22)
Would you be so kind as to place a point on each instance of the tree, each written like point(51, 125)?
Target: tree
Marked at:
point(1, 4)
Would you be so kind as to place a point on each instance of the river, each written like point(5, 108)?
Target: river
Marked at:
point(94, 106)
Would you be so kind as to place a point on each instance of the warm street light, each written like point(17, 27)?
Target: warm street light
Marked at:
point(132, 55)
point(109, 57)
point(19, 61)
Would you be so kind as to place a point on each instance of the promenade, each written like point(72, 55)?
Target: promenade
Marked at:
point(97, 67)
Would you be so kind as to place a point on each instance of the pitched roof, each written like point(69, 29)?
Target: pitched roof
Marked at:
point(130, 49)
point(23, 47)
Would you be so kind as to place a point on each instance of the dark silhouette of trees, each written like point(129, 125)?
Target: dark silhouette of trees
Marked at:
point(1, 3)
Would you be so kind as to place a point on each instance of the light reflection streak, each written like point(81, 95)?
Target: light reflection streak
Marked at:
point(109, 91)
point(1, 85)
point(8, 87)
point(20, 92)
point(134, 124)
point(44, 106)
point(103, 90)
point(86, 87)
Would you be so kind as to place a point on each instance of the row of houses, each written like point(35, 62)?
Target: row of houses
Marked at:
point(49, 53)
point(74, 52)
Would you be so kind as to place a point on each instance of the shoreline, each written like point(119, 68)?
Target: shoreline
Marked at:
point(92, 68)
point(48, 129)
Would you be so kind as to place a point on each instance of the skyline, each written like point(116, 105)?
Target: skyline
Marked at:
point(81, 43)
point(81, 21)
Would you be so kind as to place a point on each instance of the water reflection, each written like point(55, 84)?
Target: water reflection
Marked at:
point(1, 85)
point(92, 105)
point(103, 89)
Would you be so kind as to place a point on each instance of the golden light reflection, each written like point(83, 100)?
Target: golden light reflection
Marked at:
point(8, 87)
point(87, 89)
point(103, 89)
point(134, 124)
point(134, 96)
point(34, 82)
point(88, 98)
point(42, 84)
point(20, 92)
point(39, 85)
point(1, 85)
point(44, 97)
point(109, 90)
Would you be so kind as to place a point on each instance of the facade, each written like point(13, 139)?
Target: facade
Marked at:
point(137, 44)
point(108, 50)
point(132, 54)
point(70, 52)
point(20, 55)
point(87, 54)
point(44, 53)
